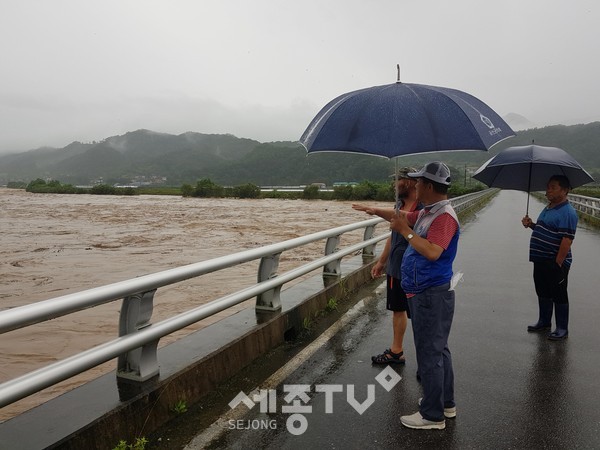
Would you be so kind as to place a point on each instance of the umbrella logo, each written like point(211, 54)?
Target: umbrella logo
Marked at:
point(487, 121)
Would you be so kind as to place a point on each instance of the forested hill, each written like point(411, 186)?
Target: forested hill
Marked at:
point(228, 160)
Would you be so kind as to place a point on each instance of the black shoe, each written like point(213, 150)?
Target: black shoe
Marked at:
point(538, 327)
point(558, 335)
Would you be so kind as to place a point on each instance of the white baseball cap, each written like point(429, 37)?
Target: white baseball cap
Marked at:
point(434, 171)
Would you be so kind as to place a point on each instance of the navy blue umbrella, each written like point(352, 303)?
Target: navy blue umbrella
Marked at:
point(401, 119)
point(529, 167)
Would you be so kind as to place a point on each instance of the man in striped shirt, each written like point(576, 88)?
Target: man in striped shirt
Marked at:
point(550, 252)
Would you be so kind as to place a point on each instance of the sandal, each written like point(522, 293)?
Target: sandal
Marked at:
point(389, 357)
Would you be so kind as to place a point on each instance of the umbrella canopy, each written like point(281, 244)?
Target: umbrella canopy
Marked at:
point(528, 168)
point(401, 119)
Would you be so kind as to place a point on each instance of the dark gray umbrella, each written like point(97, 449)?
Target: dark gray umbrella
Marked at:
point(528, 168)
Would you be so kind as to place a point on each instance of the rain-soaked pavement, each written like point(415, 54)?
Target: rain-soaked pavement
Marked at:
point(513, 389)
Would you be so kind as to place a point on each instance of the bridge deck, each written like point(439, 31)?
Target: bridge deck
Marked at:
point(513, 389)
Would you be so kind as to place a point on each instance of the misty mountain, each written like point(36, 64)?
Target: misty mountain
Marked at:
point(518, 122)
point(121, 158)
point(229, 160)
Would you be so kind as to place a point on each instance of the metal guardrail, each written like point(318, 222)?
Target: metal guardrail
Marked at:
point(136, 346)
point(589, 206)
point(468, 201)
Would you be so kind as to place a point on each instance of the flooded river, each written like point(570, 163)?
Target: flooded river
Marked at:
point(54, 245)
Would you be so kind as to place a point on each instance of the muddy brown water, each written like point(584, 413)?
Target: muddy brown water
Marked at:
point(53, 245)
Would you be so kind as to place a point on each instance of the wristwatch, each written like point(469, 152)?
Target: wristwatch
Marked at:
point(410, 236)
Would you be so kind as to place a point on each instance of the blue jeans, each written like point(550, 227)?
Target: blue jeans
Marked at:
point(432, 311)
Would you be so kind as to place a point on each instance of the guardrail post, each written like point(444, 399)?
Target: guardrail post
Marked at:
point(141, 363)
point(333, 268)
point(369, 250)
point(267, 269)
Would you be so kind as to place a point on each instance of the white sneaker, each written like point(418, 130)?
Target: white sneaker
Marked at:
point(417, 422)
point(449, 413)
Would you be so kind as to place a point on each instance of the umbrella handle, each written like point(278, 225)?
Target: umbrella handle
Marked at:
point(396, 196)
point(529, 186)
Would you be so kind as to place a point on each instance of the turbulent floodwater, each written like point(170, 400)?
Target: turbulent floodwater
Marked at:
point(54, 245)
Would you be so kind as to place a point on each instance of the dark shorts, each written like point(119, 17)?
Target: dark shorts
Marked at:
point(551, 281)
point(396, 297)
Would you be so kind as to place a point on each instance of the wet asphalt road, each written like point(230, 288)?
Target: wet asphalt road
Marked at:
point(513, 389)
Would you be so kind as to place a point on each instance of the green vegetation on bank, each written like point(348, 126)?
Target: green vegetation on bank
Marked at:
point(588, 191)
point(365, 190)
point(40, 186)
point(206, 188)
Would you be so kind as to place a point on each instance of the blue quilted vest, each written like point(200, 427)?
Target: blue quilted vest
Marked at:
point(418, 273)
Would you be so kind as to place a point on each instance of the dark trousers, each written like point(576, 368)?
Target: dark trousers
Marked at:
point(551, 281)
point(432, 311)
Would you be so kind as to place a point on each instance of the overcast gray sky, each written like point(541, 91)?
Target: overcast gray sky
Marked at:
point(74, 70)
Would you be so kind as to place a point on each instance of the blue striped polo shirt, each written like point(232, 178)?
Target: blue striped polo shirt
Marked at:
point(552, 226)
